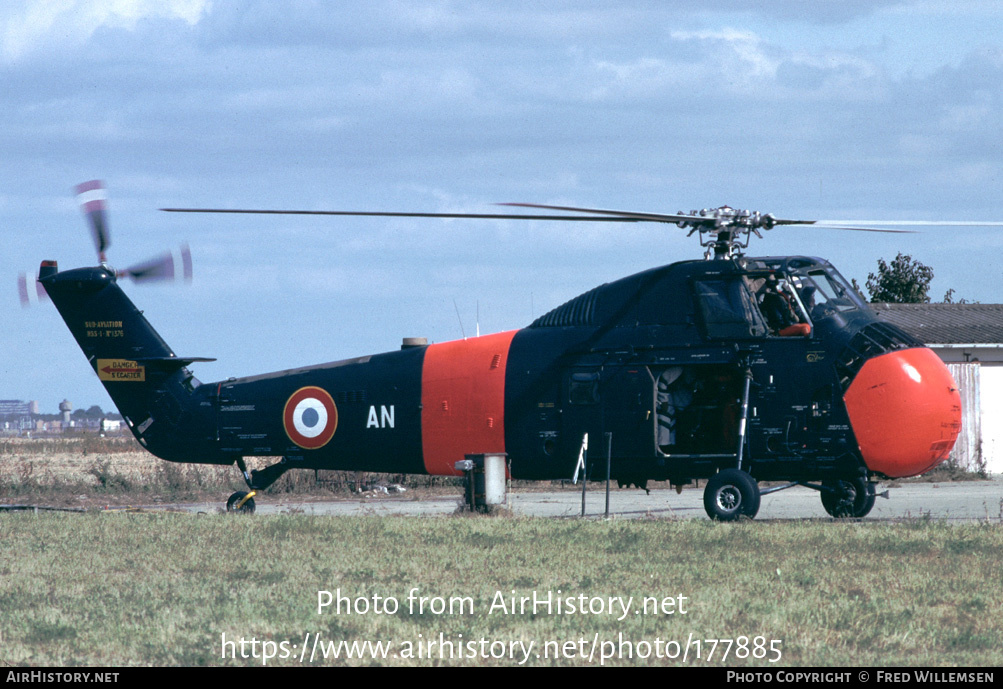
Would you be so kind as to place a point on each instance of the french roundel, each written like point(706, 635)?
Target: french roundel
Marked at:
point(310, 417)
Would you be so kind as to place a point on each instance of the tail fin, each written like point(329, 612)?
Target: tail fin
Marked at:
point(151, 387)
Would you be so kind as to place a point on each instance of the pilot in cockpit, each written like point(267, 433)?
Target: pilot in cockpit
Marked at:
point(780, 314)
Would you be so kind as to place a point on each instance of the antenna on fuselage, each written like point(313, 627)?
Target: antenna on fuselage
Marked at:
point(462, 332)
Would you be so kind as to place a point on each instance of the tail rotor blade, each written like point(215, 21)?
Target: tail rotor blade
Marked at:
point(93, 201)
point(154, 270)
point(186, 262)
point(29, 289)
point(174, 265)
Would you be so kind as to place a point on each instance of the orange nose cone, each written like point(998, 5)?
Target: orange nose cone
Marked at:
point(905, 410)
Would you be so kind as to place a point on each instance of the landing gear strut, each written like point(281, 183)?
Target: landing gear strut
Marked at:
point(243, 501)
point(842, 498)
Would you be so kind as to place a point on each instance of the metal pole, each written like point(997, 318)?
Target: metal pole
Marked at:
point(585, 479)
point(508, 484)
point(609, 452)
point(743, 421)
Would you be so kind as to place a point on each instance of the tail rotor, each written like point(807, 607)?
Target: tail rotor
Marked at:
point(171, 266)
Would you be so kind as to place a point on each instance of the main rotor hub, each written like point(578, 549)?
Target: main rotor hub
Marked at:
point(725, 229)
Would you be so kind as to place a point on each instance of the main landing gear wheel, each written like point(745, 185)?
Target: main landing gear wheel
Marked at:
point(851, 498)
point(730, 495)
point(240, 502)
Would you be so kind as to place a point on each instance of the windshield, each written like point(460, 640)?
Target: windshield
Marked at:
point(824, 292)
point(819, 287)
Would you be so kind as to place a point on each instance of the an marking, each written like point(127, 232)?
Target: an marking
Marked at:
point(310, 417)
point(120, 370)
point(385, 418)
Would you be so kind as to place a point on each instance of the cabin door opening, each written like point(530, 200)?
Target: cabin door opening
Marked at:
point(697, 409)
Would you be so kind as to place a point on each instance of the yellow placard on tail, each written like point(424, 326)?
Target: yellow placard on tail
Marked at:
point(120, 370)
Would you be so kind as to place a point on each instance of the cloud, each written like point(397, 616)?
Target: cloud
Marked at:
point(719, 63)
point(31, 26)
point(817, 12)
point(745, 47)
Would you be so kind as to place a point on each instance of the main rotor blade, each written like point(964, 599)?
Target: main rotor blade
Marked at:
point(841, 224)
point(822, 225)
point(386, 214)
point(627, 215)
point(604, 215)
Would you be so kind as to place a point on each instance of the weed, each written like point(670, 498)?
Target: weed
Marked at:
point(107, 478)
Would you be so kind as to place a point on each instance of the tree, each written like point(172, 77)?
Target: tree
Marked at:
point(905, 281)
point(949, 298)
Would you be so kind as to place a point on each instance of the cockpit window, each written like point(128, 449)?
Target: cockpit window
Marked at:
point(842, 289)
point(728, 309)
point(824, 293)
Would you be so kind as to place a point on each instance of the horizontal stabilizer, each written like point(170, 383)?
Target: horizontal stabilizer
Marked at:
point(171, 362)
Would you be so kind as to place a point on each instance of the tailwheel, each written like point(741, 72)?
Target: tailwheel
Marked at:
point(731, 494)
point(241, 502)
point(852, 498)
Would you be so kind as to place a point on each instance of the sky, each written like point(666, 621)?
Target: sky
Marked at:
point(836, 109)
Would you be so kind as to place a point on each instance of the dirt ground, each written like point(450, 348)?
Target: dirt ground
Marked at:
point(92, 472)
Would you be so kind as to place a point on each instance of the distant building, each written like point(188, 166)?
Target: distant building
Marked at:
point(21, 418)
point(15, 416)
point(111, 426)
point(969, 339)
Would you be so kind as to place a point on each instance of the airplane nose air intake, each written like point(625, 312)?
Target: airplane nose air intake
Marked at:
point(905, 410)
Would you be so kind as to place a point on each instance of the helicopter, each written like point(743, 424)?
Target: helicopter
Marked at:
point(732, 369)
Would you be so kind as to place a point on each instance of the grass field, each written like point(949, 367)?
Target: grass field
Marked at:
point(163, 589)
